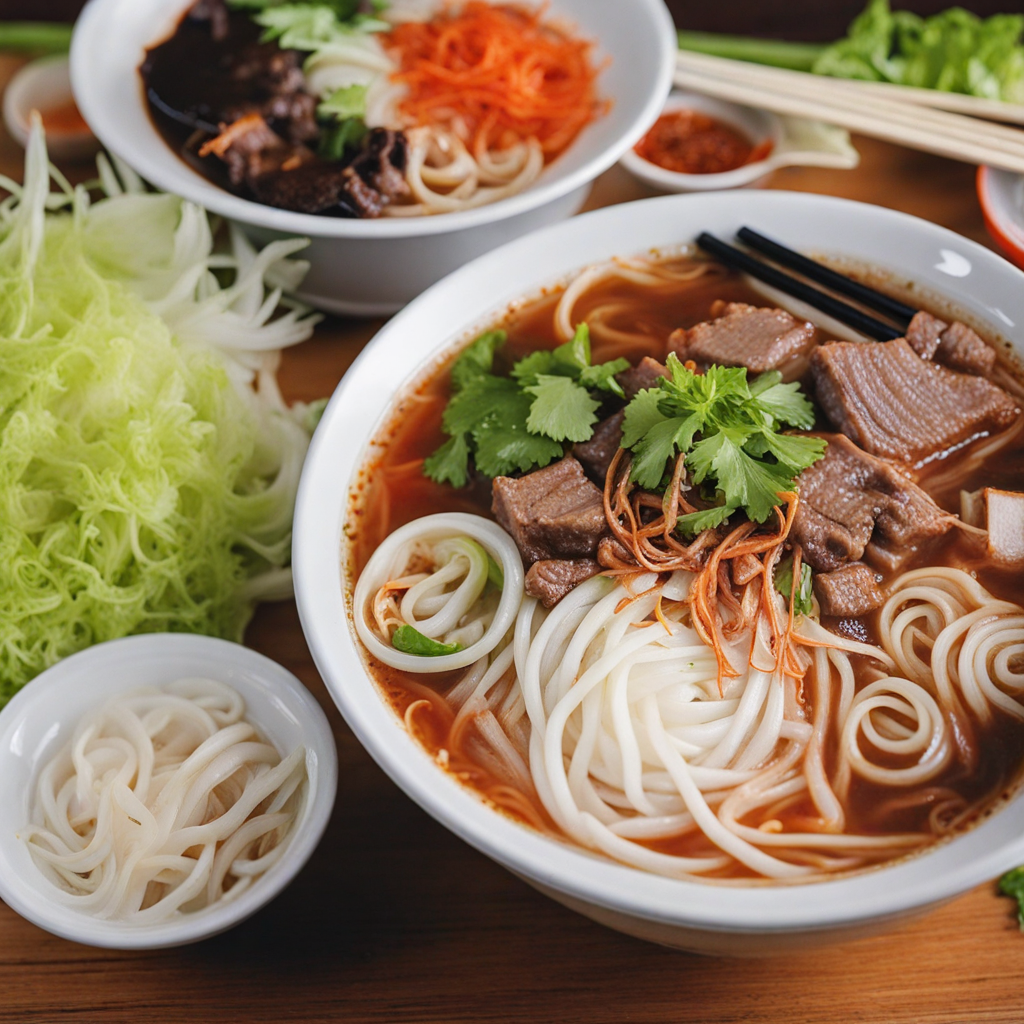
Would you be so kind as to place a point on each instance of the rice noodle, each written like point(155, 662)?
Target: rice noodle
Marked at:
point(164, 801)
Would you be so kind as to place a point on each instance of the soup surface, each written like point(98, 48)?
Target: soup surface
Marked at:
point(903, 770)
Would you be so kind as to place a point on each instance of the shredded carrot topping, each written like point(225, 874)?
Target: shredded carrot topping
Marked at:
point(496, 75)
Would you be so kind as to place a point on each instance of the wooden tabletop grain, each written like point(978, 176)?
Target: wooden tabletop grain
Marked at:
point(396, 920)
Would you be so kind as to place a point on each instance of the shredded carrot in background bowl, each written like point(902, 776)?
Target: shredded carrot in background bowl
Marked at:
point(496, 75)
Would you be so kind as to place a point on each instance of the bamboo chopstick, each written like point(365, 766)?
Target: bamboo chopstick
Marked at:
point(787, 92)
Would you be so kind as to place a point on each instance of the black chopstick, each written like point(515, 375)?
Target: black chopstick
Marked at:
point(835, 308)
point(876, 300)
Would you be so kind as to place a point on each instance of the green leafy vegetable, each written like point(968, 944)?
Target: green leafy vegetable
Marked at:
point(35, 36)
point(411, 641)
point(144, 484)
point(339, 139)
point(728, 428)
point(521, 421)
point(348, 101)
point(803, 598)
point(954, 51)
point(1012, 885)
point(706, 519)
point(311, 26)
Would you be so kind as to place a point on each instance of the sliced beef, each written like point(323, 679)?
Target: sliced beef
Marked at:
point(962, 349)
point(555, 512)
point(596, 454)
point(381, 164)
point(251, 150)
point(895, 404)
point(848, 592)
point(644, 375)
point(553, 578)
point(742, 335)
point(853, 506)
point(924, 333)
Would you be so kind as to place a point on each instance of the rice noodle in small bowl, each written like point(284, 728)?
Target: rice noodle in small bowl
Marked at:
point(374, 266)
point(144, 780)
point(593, 858)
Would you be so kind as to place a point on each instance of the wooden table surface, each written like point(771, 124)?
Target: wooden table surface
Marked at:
point(396, 920)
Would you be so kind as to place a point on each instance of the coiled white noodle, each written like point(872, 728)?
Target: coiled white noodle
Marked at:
point(446, 604)
point(163, 801)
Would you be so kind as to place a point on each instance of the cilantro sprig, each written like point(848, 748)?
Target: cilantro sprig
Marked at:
point(803, 594)
point(729, 430)
point(522, 421)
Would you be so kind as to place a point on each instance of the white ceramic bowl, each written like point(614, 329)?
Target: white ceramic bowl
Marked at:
point(740, 919)
point(796, 142)
point(376, 266)
point(1001, 194)
point(41, 717)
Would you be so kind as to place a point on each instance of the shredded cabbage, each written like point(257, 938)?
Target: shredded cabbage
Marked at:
point(148, 465)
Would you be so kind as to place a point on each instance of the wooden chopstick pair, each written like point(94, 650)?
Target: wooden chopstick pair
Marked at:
point(828, 304)
point(844, 103)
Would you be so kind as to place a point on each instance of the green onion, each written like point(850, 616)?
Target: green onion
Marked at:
point(776, 52)
point(35, 36)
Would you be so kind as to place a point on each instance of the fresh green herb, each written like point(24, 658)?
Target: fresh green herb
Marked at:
point(35, 36)
point(1012, 884)
point(348, 101)
point(803, 598)
point(311, 27)
point(954, 51)
point(728, 429)
point(521, 421)
point(341, 139)
point(706, 519)
point(411, 641)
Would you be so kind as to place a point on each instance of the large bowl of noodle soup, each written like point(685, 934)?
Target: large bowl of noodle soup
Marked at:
point(735, 915)
point(370, 267)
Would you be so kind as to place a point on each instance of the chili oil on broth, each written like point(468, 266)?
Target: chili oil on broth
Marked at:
point(391, 490)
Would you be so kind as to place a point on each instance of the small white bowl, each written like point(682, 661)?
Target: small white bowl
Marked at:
point(796, 142)
point(946, 271)
point(1001, 194)
point(42, 85)
point(373, 267)
point(40, 719)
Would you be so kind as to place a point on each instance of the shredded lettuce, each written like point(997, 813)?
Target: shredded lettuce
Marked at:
point(148, 465)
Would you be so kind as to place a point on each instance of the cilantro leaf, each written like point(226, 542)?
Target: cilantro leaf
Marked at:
point(530, 367)
point(641, 415)
point(477, 358)
point(785, 403)
point(1012, 884)
point(561, 409)
point(450, 463)
point(602, 376)
point(504, 447)
point(803, 598)
point(705, 519)
point(653, 451)
point(410, 640)
point(794, 451)
point(575, 354)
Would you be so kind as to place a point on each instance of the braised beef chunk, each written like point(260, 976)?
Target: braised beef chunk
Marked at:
point(854, 506)
point(893, 403)
point(962, 349)
point(848, 592)
point(596, 454)
point(313, 188)
point(555, 512)
point(251, 150)
point(924, 332)
point(381, 164)
point(644, 375)
point(553, 578)
point(742, 335)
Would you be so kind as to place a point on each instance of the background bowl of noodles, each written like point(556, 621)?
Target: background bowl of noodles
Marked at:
point(370, 267)
point(40, 719)
point(737, 917)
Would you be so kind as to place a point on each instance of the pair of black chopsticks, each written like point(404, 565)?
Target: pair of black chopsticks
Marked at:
point(829, 304)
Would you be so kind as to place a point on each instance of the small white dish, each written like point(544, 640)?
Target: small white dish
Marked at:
point(40, 718)
point(45, 85)
point(373, 267)
point(795, 142)
point(1001, 194)
point(736, 919)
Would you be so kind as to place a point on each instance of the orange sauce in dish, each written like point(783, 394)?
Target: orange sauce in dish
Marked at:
point(689, 142)
point(64, 119)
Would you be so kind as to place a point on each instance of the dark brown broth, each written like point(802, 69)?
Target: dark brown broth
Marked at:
point(415, 431)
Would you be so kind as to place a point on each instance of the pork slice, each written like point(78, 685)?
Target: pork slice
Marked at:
point(645, 374)
point(596, 454)
point(551, 513)
point(854, 506)
point(895, 404)
point(962, 349)
point(923, 333)
point(848, 592)
point(552, 578)
point(741, 335)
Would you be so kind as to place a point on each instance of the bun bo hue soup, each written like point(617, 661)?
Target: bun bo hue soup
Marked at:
point(662, 569)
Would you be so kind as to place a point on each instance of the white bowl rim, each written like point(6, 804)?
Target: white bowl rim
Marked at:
point(27, 897)
point(890, 891)
point(173, 175)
